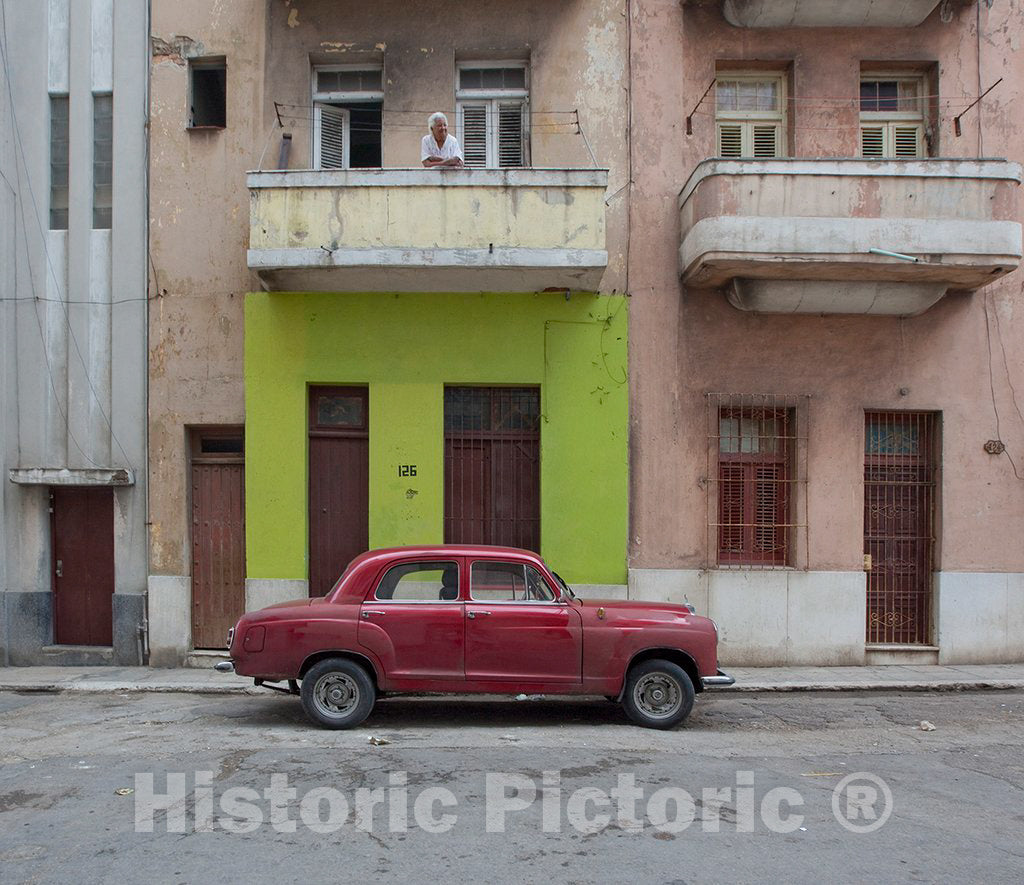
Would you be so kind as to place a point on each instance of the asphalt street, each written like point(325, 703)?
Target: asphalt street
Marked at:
point(457, 790)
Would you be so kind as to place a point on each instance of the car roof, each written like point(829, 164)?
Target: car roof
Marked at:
point(444, 550)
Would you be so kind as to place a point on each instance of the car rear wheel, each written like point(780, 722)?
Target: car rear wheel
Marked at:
point(658, 694)
point(337, 693)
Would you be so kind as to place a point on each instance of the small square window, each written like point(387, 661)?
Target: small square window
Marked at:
point(207, 93)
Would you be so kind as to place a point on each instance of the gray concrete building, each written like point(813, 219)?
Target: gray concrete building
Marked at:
point(73, 297)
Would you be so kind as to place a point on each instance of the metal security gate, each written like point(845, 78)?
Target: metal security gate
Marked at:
point(82, 522)
point(339, 482)
point(492, 466)
point(899, 525)
point(218, 534)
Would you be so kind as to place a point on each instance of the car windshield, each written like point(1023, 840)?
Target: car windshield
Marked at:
point(565, 587)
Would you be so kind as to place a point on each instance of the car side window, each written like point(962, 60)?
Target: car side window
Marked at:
point(419, 582)
point(508, 582)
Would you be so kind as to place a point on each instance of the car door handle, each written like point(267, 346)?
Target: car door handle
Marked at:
point(473, 614)
point(369, 612)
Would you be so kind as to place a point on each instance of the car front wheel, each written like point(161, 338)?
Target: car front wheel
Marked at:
point(658, 694)
point(337, 693)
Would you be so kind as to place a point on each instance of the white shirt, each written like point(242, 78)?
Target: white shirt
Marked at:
point(429, 148)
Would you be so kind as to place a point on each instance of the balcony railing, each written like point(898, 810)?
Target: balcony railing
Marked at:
point(417, 230)
point(848, 235)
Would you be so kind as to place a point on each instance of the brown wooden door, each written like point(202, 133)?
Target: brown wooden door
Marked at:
point(899, 525)
point(492, 466)
point(83, 565)
point(218, 535)
point(339, 482)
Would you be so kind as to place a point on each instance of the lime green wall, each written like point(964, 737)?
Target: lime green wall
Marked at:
point(406, 348)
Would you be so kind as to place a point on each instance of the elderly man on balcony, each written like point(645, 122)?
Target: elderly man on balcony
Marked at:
point(439, 149)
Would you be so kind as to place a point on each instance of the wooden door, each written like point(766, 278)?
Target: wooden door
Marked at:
point(218, 534)
point(339, 482)
point(899, 525)
point(82, 522)
point(492, 466)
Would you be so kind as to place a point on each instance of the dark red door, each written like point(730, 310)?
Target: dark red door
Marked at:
point(339, 482)
point(899, 525)
point(218, 534)
point(492, 466)
point(83, 565)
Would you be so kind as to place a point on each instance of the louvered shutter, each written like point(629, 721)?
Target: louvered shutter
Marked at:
point(332, 140)
point(510, 134)
point(473, 134)
point(766, 140)
point(730, 507)
point(906, 141)
point(730, 140)
point(769, 509)
point(872, 141)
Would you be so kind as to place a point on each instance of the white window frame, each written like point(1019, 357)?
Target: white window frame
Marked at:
point(890, 121)
point(747, 120)
point(491, 100)
point(328, 98)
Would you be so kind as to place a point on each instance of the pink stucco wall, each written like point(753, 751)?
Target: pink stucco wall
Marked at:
point(956, 358)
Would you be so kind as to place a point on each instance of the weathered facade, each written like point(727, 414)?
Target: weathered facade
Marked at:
point(828, 341)
point(816, 236)
point(436, 355)
point(73, 332)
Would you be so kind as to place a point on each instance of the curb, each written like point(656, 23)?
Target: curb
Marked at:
point(909, 685)
point(102, 687)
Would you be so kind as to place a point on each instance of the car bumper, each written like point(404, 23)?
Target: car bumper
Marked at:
point(722, 678)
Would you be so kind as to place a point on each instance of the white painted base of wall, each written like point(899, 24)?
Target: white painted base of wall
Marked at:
point(980, 617)
point(261, 592)
point(600, 591)
point(787, 617)
point(170, 619)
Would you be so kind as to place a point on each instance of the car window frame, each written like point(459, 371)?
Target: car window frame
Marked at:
point(552, 586)
point(371, 596)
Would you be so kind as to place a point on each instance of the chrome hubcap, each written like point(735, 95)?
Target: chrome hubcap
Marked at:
point(335, 694)
point(657, 695)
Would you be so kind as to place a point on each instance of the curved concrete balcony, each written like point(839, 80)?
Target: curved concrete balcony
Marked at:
point(426, 230)
point(798, 236)
point(827, 13)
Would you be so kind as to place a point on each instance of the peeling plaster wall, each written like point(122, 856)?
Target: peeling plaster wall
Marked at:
point(576, 50)
point(199, 208)
point(689, 341)
point(200, 204)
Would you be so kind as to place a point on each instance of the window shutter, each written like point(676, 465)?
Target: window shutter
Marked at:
point(872, 141)
point(766, 140)
point(768, 495)
point(333, 137)
point(907, 141)
point(473, 134)
point(730, 507)
point(730, 140)
point(510, 134)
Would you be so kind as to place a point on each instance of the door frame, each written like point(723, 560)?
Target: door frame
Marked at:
point(195, 435)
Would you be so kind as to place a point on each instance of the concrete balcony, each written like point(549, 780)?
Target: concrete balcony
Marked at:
point(796, 235)
point(827, 13)
point(426, 230)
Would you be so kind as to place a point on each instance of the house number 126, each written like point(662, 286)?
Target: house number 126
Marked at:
point(406, 469)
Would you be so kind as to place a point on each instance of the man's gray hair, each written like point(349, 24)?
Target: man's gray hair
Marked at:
point(436, 117)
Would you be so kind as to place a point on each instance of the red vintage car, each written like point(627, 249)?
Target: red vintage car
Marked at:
point(467, 619)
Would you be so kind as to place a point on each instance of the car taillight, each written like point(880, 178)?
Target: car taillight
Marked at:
point(231, 635)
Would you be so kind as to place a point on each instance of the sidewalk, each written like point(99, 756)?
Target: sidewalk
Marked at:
point(208, 681)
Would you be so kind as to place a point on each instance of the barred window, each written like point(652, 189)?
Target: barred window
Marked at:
point(757, 479)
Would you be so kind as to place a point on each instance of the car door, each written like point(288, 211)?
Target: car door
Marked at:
point(413, 620)
point(517, 630)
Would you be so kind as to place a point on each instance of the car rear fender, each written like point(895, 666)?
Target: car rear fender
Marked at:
point(358, 658)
